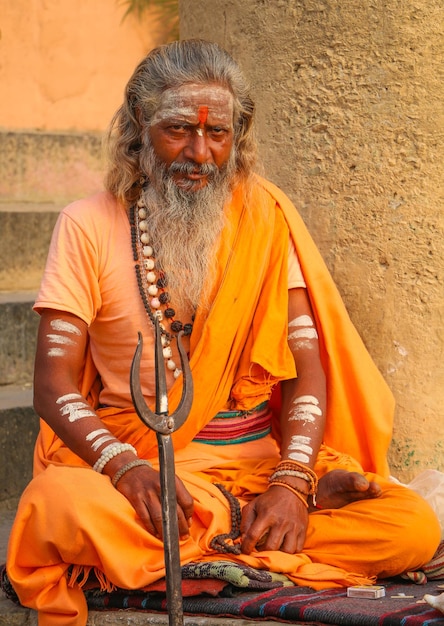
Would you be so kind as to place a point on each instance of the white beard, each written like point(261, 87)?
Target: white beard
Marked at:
point(184, 227)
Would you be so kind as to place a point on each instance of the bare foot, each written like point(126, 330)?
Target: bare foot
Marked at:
point(339, 487)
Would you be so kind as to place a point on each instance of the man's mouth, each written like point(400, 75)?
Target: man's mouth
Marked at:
point(196, 176)
point(188, 176)
point(192, 171)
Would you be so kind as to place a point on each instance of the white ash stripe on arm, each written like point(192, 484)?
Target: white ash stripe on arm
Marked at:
point(74, 407)
point(300, 448)
point(306, 409)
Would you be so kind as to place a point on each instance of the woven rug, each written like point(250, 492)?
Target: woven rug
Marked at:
point(224, 589)
point(401, 606)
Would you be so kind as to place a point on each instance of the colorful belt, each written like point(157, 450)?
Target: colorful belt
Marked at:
point(228, 427)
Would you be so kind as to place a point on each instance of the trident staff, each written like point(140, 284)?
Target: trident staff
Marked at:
point(164, 425)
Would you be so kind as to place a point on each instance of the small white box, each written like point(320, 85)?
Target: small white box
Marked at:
point(370, 591)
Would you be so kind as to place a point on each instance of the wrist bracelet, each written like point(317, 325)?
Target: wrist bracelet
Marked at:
point(299, 494)
point(294, 473)
point(108, 453)
point(126, 468)
point(289, 466)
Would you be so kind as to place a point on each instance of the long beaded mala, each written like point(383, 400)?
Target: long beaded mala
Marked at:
point(152, 289)
point(152, 286)
point(219, 543)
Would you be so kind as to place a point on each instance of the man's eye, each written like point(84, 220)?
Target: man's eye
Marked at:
point(179, 128)
point(218, 132)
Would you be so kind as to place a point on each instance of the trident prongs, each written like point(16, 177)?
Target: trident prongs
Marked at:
point(160, 421)
point(164, 424)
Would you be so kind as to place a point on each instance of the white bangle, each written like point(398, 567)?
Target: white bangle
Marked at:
point(126, 468)
point(108, 453)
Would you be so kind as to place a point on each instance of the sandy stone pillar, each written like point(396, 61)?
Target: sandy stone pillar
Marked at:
point(351, 122)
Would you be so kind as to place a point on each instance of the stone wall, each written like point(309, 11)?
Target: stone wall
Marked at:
point(350, 119)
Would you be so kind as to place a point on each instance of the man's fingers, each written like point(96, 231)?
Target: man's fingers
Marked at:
point(147, 519)
point(293, 543)
point(184, 499)
point(256, 534)
point(248, 517)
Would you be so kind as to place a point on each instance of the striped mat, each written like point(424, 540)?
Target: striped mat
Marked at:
point(225, 589)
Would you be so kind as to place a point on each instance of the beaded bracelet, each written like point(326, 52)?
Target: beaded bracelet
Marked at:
point(108, 453)
point(294, 473)
point(126, 468)
point(296, 492)
point(309, 474)
point(281, 481)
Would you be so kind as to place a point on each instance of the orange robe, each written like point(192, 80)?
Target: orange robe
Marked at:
point(70, 515)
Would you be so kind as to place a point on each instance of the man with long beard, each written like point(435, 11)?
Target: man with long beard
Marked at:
point(187, 234)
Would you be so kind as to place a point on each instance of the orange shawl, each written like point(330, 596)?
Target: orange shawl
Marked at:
point(239, 348)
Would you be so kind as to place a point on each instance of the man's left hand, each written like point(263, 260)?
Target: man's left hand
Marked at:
point(274, 520)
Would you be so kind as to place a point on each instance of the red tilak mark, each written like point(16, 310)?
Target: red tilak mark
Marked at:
point(203, 114)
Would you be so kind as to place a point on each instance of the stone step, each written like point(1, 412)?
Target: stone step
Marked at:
point(26, 229)
point(18, 431)
point(54, 167)
point(19, 326)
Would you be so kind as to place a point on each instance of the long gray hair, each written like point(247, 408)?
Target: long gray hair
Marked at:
point(165, 67)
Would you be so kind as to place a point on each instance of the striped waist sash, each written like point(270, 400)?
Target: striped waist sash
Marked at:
point(229, 427)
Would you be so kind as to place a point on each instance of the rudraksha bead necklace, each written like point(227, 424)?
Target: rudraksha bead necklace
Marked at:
point(152, 285)
point(220, 543)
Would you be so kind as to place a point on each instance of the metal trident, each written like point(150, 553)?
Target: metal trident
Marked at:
point(165, 425)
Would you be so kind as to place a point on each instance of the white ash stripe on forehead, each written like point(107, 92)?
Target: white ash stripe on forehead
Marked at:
point(302, 320)
point(66, 341)
point(171, 111)
point(64, 326)
point(175, 103)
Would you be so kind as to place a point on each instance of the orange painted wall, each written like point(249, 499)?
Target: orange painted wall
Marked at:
point(64, 63)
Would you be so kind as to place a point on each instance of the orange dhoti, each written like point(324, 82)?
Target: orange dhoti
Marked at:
point(83, 522)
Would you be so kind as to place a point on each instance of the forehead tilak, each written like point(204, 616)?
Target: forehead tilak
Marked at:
point(188, 101)
point(203, 114)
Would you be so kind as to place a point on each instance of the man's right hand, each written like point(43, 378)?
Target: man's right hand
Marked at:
point(141, 486)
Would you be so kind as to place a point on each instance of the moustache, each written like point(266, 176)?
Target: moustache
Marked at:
point(205, 169)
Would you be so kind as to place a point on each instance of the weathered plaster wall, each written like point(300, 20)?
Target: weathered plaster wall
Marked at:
point(64, 63)
point(351, 123)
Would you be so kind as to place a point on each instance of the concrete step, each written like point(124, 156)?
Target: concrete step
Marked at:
point(18, 337)
point(26, 229)
point(53, 167)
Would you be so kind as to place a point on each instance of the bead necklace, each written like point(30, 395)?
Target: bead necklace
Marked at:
point(225, 542)
point(152, 286)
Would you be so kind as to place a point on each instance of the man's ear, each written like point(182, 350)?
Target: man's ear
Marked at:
point(139, 115)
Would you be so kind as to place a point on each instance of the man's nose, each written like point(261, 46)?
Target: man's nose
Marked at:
point(198, 149)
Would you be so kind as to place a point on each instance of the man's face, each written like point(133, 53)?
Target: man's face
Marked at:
point(192, 131)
